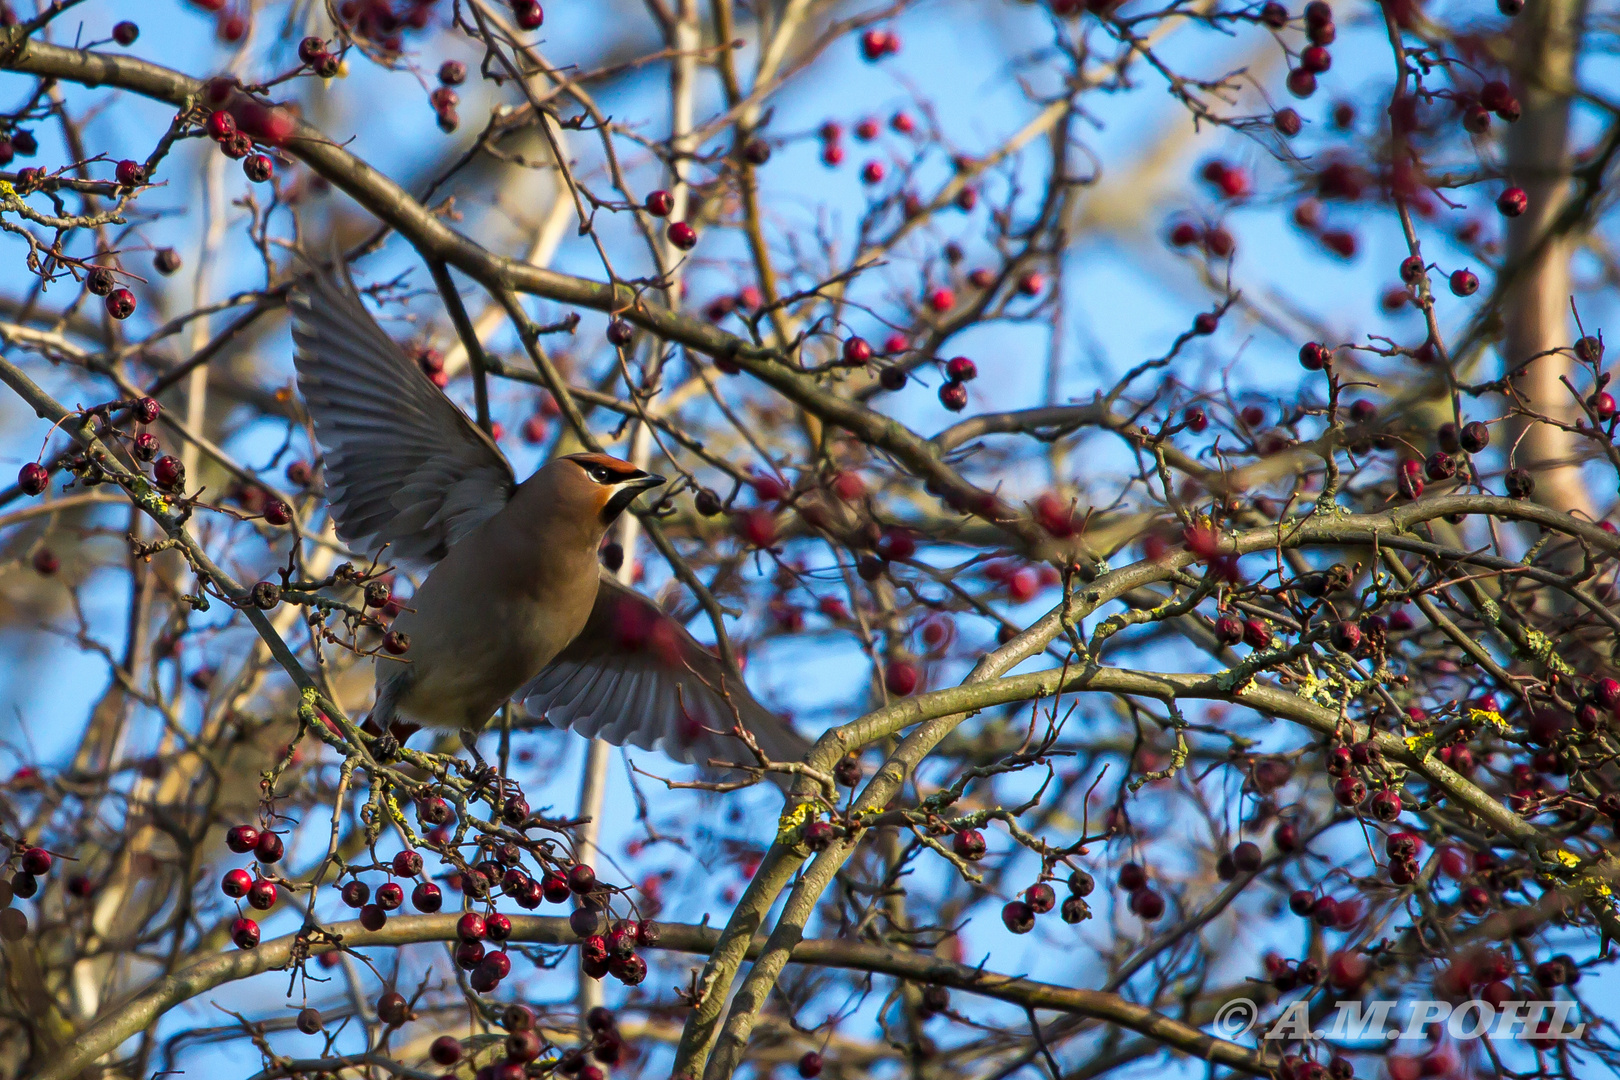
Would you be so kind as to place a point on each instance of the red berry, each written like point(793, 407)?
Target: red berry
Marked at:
point(245, 933)
point(872, 172)
point(1185, 233)
point(125, 33)
point(390, 896)
point(392, 1009)
point(120, 303)
point(942, 300)
point(961, 369)
point(1018, 917)
point(33, 478)
point(1464, 282)
point(660, 203)
point(969, 844)
point(1041, 898)
point(262, 895)
point(1512, 202)
point(240, 838)
point(1301, 83)
point(469, 954)
point(236, 883)
point(954, 396)
point(1315, 59)
point(269, 849)
point(528, 15)
point(445, 1050)
point(471, 927)
point(1287, 122)
point(1132, 877)
point(581, 878)
point(129, 173)
point(1147, 904)
point(258, 167)
point(857, 351)
point(1314, 356)
point(876, 44)
point(681, 235)
point(355, 893)
point(427, 897)
point(901, 677)
point(810, 1065)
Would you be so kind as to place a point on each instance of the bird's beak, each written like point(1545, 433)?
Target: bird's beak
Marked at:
point(626, 494)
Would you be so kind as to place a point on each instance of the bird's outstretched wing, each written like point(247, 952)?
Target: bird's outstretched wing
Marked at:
point(635, 676)
point(404, 465)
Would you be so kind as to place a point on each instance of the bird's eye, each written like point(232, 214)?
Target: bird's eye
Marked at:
point(599, 474)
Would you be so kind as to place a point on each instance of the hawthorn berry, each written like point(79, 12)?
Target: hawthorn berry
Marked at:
point(681, 235)
point(33, 478)
point(245, 933)
point(969, 844)
point(1018, 916)
point(240, 838)
point(236, 883)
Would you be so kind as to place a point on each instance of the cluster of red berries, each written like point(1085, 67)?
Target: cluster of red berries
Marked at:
point(233, 25)
point(1215, 239)
point(444, 99)
point(876, 44)
point(959, 371)
point(260, 892)
point(1314, 59)
point(1229, 181)
point(1144, 901)
point(1494, 97)
point(612, 953)
point(100, 281)
point(536, 428)
point(1245, 858)
point(661, 204)
point(832, 145)
point(1021, 581)
point(33, 863)
point(20, 142)
point(748, 299)
point(237, 144)
point(1019, 915)
point(383, 22)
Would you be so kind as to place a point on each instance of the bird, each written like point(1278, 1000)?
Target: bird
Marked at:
point(515, 605)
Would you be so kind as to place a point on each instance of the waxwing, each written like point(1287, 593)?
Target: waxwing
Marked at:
point(514, 606)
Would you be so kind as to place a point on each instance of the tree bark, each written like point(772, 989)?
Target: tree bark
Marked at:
point(1537, 310)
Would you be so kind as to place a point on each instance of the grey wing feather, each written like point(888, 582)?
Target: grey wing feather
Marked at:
point(654, 687)
point(404, 465)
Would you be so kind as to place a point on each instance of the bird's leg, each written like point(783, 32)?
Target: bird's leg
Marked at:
point(469, 739)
